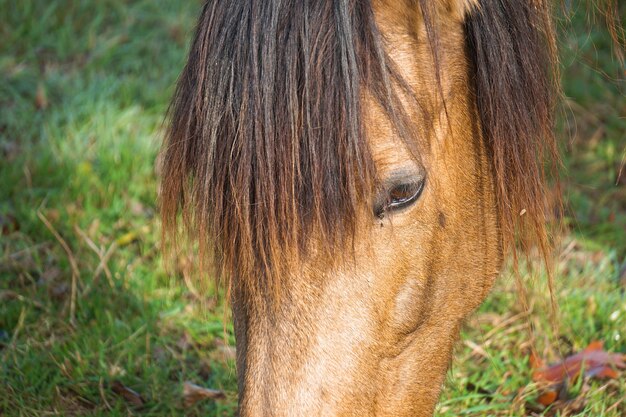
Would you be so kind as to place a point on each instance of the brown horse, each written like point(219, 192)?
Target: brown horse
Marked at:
point(355, 171)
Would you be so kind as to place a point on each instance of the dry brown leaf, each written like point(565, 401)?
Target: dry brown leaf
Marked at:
point(593, 361)
point(193, 393)
point(548, 398)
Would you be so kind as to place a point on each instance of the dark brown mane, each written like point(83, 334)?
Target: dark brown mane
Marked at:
point(511, 48)
point(266, 146)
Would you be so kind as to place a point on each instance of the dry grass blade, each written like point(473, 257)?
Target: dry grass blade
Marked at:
point(614, 406)
point(132, 397)
point(504, 323)
point(104, 258)
point(193, 393)
point(185, 267)
point(103, 396)
point(477, 349)
point(618, 178)
point(72, 260)
point(9, 295)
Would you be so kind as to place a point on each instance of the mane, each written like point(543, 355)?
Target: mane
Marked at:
point(266, 146)
point(512, 53)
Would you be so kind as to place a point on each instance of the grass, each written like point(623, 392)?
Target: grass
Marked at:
point(85, 303)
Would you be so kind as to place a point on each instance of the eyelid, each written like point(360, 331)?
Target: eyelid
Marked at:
point(384, 203)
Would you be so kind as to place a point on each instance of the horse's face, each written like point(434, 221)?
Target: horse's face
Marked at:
point(354, 170)
point(372, 333)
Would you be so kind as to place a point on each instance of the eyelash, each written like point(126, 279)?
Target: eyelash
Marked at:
point(408, 194)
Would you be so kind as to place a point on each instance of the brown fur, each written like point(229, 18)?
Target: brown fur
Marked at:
point(289, 119)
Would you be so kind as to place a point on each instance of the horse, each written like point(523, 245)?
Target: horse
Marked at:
point(354, 172)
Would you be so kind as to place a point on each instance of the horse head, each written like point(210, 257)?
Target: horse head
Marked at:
point(355, 172)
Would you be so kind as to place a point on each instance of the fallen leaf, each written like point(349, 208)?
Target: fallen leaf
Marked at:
point(548, 398)
point(602, 373)
point(593, 361)
point(562, 408)
point(193, 393)
point(130, 396)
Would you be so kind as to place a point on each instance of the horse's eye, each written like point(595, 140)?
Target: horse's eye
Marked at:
point(404, 195)
point(399, 196)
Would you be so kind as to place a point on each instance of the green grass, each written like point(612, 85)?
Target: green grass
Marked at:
point(83, 89)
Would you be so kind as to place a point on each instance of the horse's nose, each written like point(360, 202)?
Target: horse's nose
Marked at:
point(314, 358)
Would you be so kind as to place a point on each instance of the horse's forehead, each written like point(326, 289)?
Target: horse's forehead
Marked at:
point(386, 148)
point(407, 10)
point(402, 25)
point(410, 44)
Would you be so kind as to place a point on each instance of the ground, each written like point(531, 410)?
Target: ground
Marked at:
point(91, 323)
